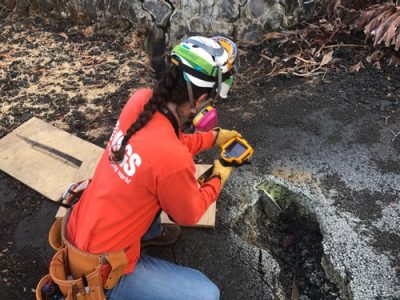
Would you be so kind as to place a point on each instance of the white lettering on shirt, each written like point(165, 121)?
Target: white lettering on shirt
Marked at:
point(131, 161)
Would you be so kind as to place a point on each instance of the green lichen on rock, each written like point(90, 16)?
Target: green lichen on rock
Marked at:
point(278, 198)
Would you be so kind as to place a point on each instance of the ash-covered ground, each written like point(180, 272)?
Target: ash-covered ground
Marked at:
point(331, 142)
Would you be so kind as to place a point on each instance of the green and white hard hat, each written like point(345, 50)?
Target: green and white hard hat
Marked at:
point(207, 62)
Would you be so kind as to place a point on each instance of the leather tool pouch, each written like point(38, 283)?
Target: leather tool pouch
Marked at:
point(55, 239)
point(78, 273)
point(74, 288)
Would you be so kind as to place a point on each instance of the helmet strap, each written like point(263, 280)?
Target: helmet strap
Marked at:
point(216, 89)
point(219, 83)
point(191, 99)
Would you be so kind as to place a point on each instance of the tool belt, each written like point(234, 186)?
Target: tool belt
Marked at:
point(75, 273)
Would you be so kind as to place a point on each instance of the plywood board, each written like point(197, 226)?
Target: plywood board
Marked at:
point(48, 159)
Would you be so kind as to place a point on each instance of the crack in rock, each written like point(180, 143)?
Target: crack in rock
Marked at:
point(280, 225)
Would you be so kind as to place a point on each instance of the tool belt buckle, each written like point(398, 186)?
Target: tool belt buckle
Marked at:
point(75, 188)
point(69, 191)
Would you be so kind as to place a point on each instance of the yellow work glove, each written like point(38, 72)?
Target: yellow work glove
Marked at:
point(221, 171)
point(224, 135)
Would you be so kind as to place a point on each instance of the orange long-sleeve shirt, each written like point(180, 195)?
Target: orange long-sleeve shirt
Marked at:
point(119, 205)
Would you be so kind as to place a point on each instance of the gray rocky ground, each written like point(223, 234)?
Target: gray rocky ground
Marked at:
point(329, 143)
point(325, 148)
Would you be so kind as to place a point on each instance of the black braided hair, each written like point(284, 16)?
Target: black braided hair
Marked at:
point(170, 88)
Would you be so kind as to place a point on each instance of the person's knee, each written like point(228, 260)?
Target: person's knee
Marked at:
point(212, 292)
point(207, 289)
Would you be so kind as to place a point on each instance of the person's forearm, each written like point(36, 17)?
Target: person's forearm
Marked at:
point(198, 142)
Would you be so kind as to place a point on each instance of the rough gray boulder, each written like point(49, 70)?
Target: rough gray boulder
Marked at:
point(242, 20)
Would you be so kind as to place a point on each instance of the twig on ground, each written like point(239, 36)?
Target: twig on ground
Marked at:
point(386, 119)
point(326, 71)
point(266, 57)
point(344, 46)
point(18, 204)
point(305, 40)
point(395, 135)
point(305, 60)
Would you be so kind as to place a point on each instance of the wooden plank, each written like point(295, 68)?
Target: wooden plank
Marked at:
point(31, 154)
point(48, 159)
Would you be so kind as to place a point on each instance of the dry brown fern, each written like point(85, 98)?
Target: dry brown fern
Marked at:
point(382, 24)
point(346, 10)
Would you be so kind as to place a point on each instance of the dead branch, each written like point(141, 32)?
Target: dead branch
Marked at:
point(344, 46)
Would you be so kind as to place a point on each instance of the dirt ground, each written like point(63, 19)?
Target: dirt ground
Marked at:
point(78, 79)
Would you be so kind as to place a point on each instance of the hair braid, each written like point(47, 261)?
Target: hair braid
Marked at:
point(171, 88)
point(159, 99)
point(153, 105)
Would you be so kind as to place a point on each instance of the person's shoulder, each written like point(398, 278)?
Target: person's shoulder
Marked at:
point(138, 99)
point(141, 94)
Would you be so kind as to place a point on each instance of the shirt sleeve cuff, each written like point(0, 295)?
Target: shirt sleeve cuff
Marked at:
point(215, 182)
point(209, 138)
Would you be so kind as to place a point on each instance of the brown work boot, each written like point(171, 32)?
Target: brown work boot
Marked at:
point(170, 234)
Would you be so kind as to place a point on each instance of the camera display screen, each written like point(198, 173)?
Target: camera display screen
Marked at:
point(235, 149)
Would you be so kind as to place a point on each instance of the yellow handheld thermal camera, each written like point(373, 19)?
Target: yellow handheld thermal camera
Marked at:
point(236, 151)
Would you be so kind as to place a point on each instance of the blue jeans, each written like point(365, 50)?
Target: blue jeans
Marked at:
point(157, 279)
